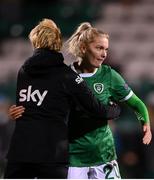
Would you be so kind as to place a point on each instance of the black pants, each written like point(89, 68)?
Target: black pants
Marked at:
point(35, 170)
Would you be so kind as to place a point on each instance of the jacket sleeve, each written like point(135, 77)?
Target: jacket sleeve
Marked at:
point(77, 88)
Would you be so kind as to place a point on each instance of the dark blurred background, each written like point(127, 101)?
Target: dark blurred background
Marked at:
point(130, 24)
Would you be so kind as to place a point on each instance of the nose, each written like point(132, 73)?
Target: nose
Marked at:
point(103, 54)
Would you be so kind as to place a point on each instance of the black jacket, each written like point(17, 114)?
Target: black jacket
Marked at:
point(47, 88)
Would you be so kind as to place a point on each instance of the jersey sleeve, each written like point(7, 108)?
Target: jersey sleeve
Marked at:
point(78, 90)
point(120, 90)
point(139, 108)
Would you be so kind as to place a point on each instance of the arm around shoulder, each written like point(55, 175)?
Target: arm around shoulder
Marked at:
point(83, 96)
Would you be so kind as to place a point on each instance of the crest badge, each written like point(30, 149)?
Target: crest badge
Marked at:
point(98, 87)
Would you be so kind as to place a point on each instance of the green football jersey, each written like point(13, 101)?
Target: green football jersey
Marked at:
point(97, 147)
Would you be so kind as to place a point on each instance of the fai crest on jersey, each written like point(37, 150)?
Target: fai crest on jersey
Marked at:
point(98, 87)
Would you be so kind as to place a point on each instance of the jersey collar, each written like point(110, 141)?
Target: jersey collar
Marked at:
point(83, 74)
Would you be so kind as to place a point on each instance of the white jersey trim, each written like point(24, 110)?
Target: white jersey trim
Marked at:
point(83, 74)
point(127, 97)
point(88, 74)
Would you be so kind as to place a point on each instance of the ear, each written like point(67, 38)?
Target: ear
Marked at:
point(83, 49)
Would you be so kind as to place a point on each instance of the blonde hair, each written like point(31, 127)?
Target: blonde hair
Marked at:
point(84, 35)
point(46, 35)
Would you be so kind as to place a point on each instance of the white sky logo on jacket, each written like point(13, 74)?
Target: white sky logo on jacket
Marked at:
point(28, 95)
point(79, 79)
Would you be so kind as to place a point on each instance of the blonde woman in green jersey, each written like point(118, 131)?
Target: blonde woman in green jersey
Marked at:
point(93, 154)
point(92, 151)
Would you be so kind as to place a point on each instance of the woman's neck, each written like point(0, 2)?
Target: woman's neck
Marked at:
point(82, 67)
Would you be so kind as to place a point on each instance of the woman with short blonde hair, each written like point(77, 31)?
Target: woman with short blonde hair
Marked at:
point(46, 35)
